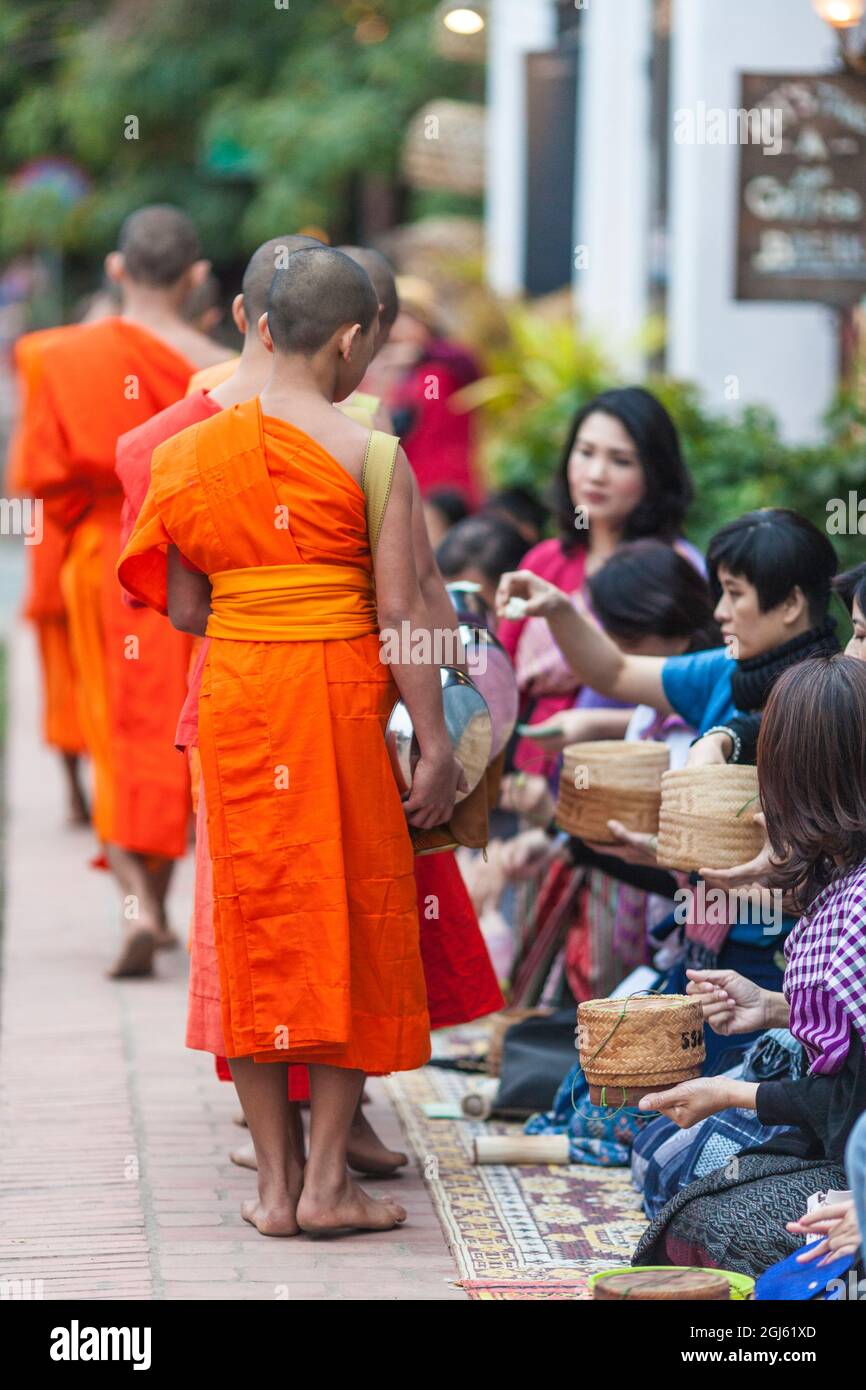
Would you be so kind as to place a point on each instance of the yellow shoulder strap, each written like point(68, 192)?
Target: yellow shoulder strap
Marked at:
point(376, 478)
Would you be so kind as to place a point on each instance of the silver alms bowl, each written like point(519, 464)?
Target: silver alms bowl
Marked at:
point(489, 667)
point(469, 726)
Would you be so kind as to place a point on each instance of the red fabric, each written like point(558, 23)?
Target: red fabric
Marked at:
point(135, 449)
point(440, 442)
point(461, 982)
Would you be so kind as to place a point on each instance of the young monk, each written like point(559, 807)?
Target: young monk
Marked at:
point(43, 603)
point(461, 984)
point(97, 381)
point(316, 923)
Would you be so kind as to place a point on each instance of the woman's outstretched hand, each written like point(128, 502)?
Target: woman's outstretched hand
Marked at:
point(522, 594)
point(691, 1101)
point(632, 846)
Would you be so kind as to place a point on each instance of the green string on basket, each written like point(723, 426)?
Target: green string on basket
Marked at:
point(624, 1105)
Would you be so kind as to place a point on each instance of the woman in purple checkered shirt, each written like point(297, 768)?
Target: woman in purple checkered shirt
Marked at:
point(812, 773)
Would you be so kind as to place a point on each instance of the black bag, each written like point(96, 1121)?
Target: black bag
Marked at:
point(536, 1054)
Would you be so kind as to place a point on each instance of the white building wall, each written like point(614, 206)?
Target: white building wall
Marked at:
point(782, 355)
point(613, 173)
point(515, 27)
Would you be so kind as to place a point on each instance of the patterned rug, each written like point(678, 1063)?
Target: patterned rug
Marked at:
point(515, 1233)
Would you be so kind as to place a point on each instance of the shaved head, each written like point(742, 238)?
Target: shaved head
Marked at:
point(383, 280)
point(263, 263)
point(320, 291)
point(158, 244)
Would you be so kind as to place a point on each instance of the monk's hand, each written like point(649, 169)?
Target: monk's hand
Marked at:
point(522, 594)
point(435, 783)
point(837, 1223)
point(730, 1003)
point(755, 873)
point(691, 1101)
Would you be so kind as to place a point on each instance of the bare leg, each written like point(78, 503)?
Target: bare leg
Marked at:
point(139, 927)
point(78, 812)
point(331, 1200)
point(143, 882)
point(159, 874)
point(365, 1153)
point(278, 1136)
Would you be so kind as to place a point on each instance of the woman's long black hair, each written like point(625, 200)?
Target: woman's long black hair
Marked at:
point(668, 492)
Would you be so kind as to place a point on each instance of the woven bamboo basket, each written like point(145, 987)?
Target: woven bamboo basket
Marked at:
point(642, 1043)
point(662, 1285)
point(707, 818)
point(610, 779)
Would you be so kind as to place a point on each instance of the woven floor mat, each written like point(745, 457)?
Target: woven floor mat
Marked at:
point(514, 1232)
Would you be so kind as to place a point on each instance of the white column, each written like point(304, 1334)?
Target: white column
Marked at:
point(780, 355)
point(515, 27)
point(613, 166)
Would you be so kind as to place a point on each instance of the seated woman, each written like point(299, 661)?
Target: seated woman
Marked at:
point(812, 767)
point(770, 572)
point(621, 477)
point(652, 600)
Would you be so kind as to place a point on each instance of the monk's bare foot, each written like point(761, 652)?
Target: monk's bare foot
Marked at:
point(245, 1156)
point(136, 958)
point(367, 1153)
point(344, 1208)
point(270, 1220)
point(166, 939)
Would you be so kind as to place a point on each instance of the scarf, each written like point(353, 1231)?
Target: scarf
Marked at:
point(754, 678)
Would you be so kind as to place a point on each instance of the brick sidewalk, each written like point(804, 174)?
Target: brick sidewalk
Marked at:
point(114, 1175)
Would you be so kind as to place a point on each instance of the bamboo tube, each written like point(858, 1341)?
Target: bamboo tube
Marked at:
point(526, 1149)
point(478, 1103)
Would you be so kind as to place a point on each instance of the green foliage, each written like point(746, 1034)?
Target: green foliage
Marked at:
point(545, 371)
point(250, 116)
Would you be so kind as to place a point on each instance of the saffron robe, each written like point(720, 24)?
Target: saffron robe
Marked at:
point(43, 601)
point(96, 382)
point(460, 980)
point(315, 915)
point(209, 378)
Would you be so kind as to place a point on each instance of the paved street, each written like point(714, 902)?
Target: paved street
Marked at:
point(114, 1175)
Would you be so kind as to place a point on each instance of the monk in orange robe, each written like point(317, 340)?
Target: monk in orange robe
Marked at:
point(43, 602)
point(315, 916)
point(95, 383)
point(461, 983)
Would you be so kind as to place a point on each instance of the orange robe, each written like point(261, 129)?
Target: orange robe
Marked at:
point(96, 382)
point(314, 893)
point(43, 602)
point(209, 378)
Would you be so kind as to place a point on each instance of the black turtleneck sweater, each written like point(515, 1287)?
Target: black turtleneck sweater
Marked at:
point(755, 677)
